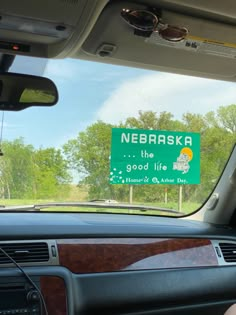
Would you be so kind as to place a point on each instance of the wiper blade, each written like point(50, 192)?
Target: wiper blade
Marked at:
point(91, 204)
point(29, 208)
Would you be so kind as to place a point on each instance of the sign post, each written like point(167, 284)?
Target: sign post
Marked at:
point(140, 157)
point(166, 195)
point(180, 198)
point(131, 194)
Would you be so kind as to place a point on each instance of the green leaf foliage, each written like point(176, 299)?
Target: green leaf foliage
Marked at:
point(89, 153)
point(46, 173)
point(30, 173)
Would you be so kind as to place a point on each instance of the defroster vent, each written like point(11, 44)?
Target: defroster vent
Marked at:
point(229, 251)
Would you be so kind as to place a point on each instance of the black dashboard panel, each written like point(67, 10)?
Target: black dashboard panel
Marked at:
point(73, 225)
point(196, 289)
point(158, 292)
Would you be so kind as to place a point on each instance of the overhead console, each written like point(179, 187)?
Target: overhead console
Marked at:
point(46, 28)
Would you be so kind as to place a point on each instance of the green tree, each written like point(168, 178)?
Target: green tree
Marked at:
point(154, 121)
point(26, 173)
point(227, 117)
point(194, 123)
point(89, 155)
point(217, 139)
point(17, 169)
point(51, 171)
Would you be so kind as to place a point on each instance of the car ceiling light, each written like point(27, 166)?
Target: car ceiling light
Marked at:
point(38, 27)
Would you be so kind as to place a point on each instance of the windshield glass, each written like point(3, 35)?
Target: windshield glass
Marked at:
point(117, 135)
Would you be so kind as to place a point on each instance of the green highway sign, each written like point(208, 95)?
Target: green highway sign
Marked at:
point(154, 157)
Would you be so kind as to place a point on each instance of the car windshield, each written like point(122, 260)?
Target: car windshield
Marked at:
point(118, 135)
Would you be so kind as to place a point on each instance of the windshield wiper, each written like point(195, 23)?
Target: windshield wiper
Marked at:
point(29, 208)
point(90, 204)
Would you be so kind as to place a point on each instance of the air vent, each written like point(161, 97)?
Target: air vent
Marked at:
point(25, 252)
point(228, 251)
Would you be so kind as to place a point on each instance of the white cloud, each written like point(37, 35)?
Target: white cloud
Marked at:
point(61, 70)
point(72, 134)
point(165, 92)
point(11, 126)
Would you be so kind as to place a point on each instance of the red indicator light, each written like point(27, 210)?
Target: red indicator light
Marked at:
point(15, 47)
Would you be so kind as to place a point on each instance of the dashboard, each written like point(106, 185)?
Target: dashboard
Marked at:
point(111, 264)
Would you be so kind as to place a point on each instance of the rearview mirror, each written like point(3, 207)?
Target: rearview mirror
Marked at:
point(19, 91)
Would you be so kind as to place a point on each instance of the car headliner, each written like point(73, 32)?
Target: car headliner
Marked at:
point(89, 24)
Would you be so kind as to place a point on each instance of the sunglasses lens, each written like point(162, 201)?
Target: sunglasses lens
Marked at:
point(173, 33)
point(142, 20)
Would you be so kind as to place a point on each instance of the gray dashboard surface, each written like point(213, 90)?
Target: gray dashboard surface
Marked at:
point(67, 225)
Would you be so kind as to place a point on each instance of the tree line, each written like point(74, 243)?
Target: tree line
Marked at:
point(46, 173)
point(27, 173)
point(89, 153)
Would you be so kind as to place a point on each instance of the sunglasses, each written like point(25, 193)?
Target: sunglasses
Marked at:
point(147, 21)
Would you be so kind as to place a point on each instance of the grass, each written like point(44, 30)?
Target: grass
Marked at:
point(187, 207)
point(18, 202)
point(78, 193)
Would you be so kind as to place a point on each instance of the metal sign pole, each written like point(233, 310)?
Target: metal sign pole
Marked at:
point(166, 195)
point(131, 194)
point(180, 198)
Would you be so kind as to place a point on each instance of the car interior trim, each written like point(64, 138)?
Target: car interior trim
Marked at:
point(115, 254)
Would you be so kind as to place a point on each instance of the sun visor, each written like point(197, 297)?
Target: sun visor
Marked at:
point(205, 37)
point(209, 49)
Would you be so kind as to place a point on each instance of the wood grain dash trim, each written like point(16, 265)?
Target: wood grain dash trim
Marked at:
point(54, 293)
point(109, 255)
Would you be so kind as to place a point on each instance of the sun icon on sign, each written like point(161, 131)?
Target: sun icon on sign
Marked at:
point(188, 152)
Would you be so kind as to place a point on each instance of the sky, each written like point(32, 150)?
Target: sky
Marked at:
point(90, 91)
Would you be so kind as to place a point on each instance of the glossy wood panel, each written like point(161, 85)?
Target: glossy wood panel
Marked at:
point(54, 293)
point(107, 255)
